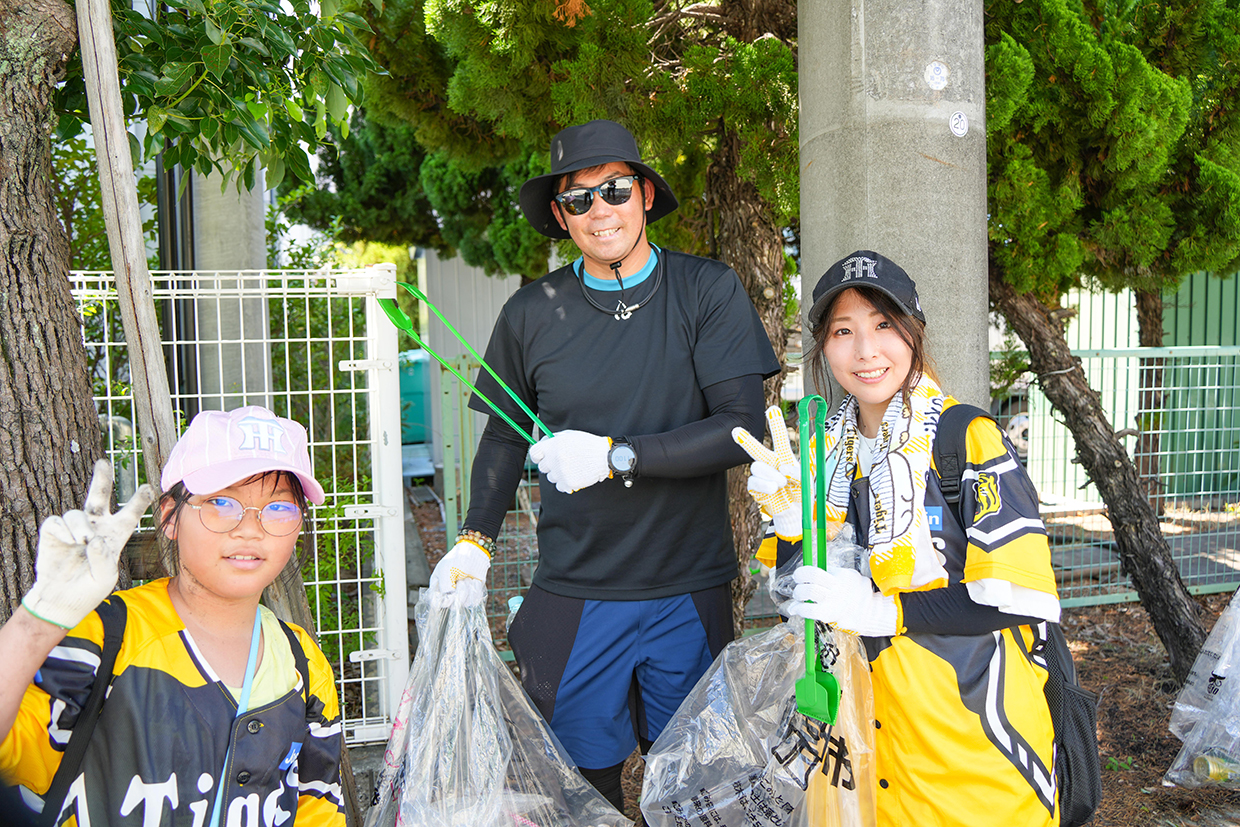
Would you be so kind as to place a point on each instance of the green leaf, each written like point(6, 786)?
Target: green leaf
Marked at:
point(209, 127)
point(378, 6)
point(328, 8)
point(319, 82)
point(354, 21)
point(217, 58)
point(338, 71)
point(155, 119)
point(173, 77)
point(337, 104)
point(141, 83)
point(69, 126)
point(294, 109)
point(298, 164)
point(254, 44)
point(320, 119)
point(214, 32)
point(275, 171)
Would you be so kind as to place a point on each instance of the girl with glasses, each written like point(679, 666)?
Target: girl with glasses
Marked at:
point(218, 713)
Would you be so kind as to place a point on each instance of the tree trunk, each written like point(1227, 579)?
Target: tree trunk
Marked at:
point(1150, 398)
point(751, 244)
point(1142, 548)
point(49, 429)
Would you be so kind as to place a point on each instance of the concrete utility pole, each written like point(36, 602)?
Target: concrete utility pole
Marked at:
point(230, 235)
point(893, 159)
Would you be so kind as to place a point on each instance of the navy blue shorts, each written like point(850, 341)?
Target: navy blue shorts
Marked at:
point(606, 673)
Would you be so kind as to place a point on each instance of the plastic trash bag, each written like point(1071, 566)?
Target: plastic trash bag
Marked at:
point(468, 748)
point(1206, 716)
point(737, 753)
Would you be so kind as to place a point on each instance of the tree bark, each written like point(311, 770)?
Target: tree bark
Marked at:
point(1150, 397)
point(752, 244)
point(49, 429)
point(1142, 548)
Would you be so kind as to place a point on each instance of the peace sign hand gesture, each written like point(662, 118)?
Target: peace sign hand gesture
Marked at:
point(774, 476)
point(77, 563)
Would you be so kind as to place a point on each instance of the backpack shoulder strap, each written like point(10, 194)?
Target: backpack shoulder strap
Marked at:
point(114, 614)
point(299, 657)
point(950, 451)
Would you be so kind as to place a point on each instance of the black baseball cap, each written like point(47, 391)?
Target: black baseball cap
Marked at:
point(581, 147)
point(866, 268)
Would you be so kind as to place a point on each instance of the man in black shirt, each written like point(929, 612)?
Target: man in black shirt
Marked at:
point(641, 361)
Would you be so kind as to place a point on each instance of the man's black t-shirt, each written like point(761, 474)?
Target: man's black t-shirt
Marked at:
point(580, 368)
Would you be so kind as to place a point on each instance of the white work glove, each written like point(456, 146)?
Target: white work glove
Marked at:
point(76, 567)
point(775, 476)
point(573, 460)
point(844, 598)
point(462, 574)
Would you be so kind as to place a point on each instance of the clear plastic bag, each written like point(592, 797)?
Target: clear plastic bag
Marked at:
point(1206, 716)
point(468, 748)
point(738, 754)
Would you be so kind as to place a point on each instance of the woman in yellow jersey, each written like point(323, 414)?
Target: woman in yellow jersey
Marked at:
point(218, 713)
point(952, 616)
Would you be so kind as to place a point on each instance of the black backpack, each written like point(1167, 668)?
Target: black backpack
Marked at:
point(1074, 709)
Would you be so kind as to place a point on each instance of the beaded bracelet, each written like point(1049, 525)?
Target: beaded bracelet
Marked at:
point(477, 538)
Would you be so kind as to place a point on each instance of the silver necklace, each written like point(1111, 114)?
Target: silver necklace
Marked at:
point(624, 311)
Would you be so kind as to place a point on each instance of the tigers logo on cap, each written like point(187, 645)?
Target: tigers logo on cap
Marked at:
point(222, 448)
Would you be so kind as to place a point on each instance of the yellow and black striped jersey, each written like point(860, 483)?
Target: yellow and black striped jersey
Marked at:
point(158, 751)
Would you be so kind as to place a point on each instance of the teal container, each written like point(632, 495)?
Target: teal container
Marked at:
point(415, 397)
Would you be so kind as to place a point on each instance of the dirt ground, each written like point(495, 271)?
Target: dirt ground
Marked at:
point(1119, 657)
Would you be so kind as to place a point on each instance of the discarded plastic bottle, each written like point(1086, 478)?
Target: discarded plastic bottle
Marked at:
point(514, 603)
point(1217, 764)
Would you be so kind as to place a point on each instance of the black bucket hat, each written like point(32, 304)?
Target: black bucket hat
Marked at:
point(866, 268)
point(581, 147)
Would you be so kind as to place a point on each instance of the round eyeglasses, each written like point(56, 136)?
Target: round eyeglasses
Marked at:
point(223, 514)
point(578, 200)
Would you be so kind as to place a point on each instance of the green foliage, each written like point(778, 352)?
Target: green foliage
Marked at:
point(1111, 140)
point(1115, 764)
point(79, 204)
point(367, 181)
point(1008, 368)
point(484, 86)
point(232, 85)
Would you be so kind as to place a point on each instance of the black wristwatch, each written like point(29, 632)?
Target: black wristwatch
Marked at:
point(622, 460)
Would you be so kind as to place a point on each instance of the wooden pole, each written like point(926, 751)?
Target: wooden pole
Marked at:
point(151, 399)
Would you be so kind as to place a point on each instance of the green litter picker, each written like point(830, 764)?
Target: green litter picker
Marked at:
point(818, 693)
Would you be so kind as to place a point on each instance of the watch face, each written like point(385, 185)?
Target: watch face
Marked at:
point(623, 458)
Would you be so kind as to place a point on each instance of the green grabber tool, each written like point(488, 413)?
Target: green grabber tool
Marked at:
point(401, 319)
point(818, 693)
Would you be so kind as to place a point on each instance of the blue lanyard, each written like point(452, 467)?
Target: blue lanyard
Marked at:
point(241, 708)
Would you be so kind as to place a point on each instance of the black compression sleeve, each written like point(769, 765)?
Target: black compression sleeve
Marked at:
point(706, 446)
point(497, 470)
point(951, 611)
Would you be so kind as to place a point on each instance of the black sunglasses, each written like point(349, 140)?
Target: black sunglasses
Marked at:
point(578, 200)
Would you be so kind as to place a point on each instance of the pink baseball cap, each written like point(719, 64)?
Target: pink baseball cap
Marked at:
point(220, 448)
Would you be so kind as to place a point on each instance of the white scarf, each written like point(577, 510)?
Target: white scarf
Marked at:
point(902, 556)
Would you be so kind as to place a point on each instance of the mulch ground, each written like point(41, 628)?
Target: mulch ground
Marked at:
point(1119, 657)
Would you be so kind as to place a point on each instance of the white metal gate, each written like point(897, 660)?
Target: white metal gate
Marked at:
point(313, 346)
